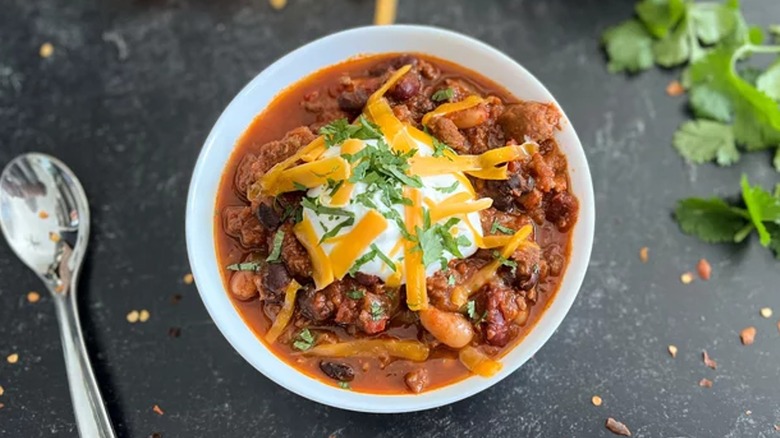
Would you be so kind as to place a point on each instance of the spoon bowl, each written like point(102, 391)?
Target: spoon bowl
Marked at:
point(44, 216)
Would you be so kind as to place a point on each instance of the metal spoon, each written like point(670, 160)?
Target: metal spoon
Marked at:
point(44, 215)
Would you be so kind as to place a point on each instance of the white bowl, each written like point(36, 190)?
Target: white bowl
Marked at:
point(295, 66)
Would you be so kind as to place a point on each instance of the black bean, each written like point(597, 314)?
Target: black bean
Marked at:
point(275, 277)
point(353, 101)
point(268, 216)
point(337, 371)
point(406, 87)
point(530, 281)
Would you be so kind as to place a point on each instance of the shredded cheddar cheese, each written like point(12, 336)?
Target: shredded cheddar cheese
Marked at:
point(347, 250)
point(323, 269)
point(451, 107)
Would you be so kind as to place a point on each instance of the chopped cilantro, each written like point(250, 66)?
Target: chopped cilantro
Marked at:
point(319, 209)
point(443, 94)
point(471, 309)
point(348, 222)
point(276, 251)
point(304, 340)
point(246, 266)
point(439, 148)
point(355, 294)
point(337, 131)
point(362, 260)
point(498, 227)
point(505, 261)
point(383, 257)
point(448, 189)
point(451, 280)
point(377, 311)
point(433, 240)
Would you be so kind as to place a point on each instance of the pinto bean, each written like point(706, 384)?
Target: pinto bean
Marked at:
point(469, 117)
point(449, 328)
point(242, 285)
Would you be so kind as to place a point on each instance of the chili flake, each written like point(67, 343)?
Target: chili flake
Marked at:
point(747, 335)
point(708, 360)
point(46, 50)
point(596, 400)
point(705, 383)
point(766, 312)
point(644, 254)
point(686, 278)
point(33, 296)
point(617, 427)
point(157, 410)
point(13, 358)
point(675, 88)
point(704, 269)
point(133, 316)
point(672, 349)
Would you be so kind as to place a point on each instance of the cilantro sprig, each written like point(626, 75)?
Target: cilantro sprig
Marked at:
point(715, 220)
point(736, 108)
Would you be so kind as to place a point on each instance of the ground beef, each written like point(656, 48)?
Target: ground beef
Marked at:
point(275, 280)
point(239, 222)
point(440, 287)
point(529, 267)
point(349, 303)
point(253, 166)
point(324, 107)
point(513, 221)
point(488, 134)
point(294, 255)
point(530, 120)
point(445, 130)
point(562, 210)
point(416, 380)
point(243, 285)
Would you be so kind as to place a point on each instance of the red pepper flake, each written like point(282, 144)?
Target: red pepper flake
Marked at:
point(705, 383)
point(675, 88)
point(157, 410)
point(747, 335)
point(617, 427)
point(708, 360)
point(704, 269)
point(175, 298)
point(644, 255)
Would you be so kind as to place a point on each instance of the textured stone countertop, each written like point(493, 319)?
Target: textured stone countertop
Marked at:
point(127, 99)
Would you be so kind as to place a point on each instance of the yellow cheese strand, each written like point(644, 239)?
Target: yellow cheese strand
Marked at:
point(323, 270)
point(311, 174)
point(452, 107)
point(478, 362)
point(285, 314)
point(344, 193)
point(416, 291)
point(268, 180)
point(348, 249)
point(395, 77)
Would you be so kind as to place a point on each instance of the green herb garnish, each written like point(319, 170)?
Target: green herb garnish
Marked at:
point(443, 94)
point(377, 311)
point(383, 257)
point(355, 294)
point(362, 260)
point(498, 227)
point(451, 280)
point(344, 385)
point(246, 266)
point(276, 251)
point(348, 222)
point(439, 148)
point(448, 189)
point(299, 186)
point(714, 220)
point(314, 205)
point(304, 340)
point(471, 309)
point(505, 262)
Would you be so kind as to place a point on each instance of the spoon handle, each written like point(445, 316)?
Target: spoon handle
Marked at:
point(91, 416)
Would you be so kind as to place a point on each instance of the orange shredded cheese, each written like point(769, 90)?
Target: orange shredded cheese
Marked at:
point(451, 107)
point(321, 266)
point(416, 291)
point(347, 250)
point(313, 149)
point(478, 362)
point(455, 205)
point(285, 314)
point(312, 174)
point(395, 77)
point(481, 166)
point(344, 193)
point(461, 293)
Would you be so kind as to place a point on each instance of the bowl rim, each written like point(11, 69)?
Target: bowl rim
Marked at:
point(201, 199)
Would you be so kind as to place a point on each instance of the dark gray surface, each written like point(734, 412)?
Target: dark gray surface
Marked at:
point(131, 129)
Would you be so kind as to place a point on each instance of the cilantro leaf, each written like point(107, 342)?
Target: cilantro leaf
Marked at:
point(382, 256)
point(711, 220)
point(304, 340)
point(709, 103)
point(355, 294)
point(443, 94)
point(703, 140)
point(430, 244)
point(337, 131)
point(761, 206)
point(376, 310)
point(498, 227)
point(714, 22)
point(660, 16)
point(471, 309)
point(629, 47)
point(439, 148)
point(448, 189)
point(675, 48)
point(276, 251)
point(246, 266)
point(769, 81)
point(505, 261)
